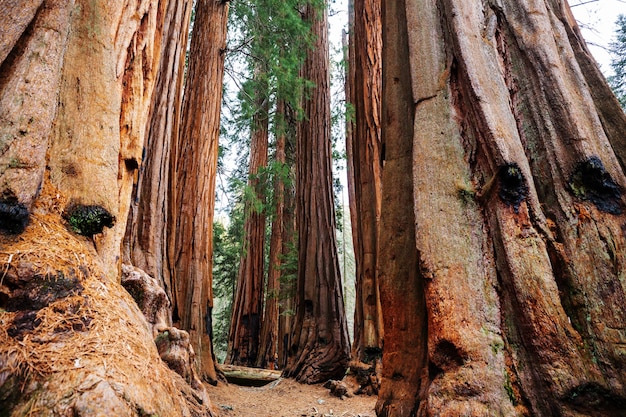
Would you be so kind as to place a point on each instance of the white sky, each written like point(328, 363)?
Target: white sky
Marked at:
point(597, 21)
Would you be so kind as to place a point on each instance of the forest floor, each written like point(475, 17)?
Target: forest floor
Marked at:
point(287, 398)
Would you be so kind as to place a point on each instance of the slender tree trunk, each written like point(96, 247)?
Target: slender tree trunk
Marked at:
point(348, 46)
point(268, 348)
point(289, 270)
point(401, 284)
point(194, 165)
point(145, 244)
point(320, 346)
point(287, 293)
point(366, 54)
point(519, 207)
point(76, 85)
point(245, 327)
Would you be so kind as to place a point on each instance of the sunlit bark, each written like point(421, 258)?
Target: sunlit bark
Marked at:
point(76, 84)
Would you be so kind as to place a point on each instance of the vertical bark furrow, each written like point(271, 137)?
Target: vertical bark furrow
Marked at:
point(245, 328)
point(29, 85)
point(587, 269)
point(194, 164)
point(518, 201)
point(610, 113)
point(146, 235)
point(405, 358)
point(320, 345)
point(366, 44)
point(16, 16)
point(268, 346)
point(556, 132)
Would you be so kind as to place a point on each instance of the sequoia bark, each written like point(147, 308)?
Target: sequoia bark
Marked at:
point(517, 185)
point(71, 141)
point(146, 240)
point(245, 327)
point(366, 69)
point(319, 347)
point(194, 167)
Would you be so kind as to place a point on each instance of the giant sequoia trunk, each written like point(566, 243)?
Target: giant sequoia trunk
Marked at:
point(401, 285)
point(193, 183)
point(76, 83)
point(518, 195)
point(145, 243)
point(365, 174)
point(319, 347)
point(268, 346)
point(245, 326)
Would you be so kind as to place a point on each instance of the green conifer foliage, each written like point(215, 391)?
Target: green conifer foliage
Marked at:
point(618, 62)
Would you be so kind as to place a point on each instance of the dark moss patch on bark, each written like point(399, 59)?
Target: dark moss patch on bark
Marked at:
point(32, 293)
point(594, 397)
point(14, 216)
point(590, 181)
point(512, 185)
point(447, 356)
point(88, 220)
point(372, 353)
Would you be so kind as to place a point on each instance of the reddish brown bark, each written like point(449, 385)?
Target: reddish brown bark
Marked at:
point(518, 198)
point(268, 347)
point(245, 326)
point(38, 37)
point(72, 341)
point(401, 284)
point(319, 348)
point(366, 73)
point(145, 244)
point(194, 161)
point(288, 273)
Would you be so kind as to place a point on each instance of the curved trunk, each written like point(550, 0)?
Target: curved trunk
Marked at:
point(72, 341)
point(194, 166)
point(518, 203)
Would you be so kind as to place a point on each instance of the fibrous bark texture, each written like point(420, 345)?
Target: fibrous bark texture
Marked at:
point(401, 284)
point(518, 196)
point(245, 327)
point(268, 346)
point(32, 53)
point(73, 342)
point(319, 348)
point(194, 158)
point(91, 171)
point(288, 250)
point(145, 243)
point(78, 77)
point(366, 165)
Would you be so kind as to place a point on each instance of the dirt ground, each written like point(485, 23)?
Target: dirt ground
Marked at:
point(287, 398)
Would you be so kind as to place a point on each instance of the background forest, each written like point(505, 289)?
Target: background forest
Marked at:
point(239, 109)
point(185, 181)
